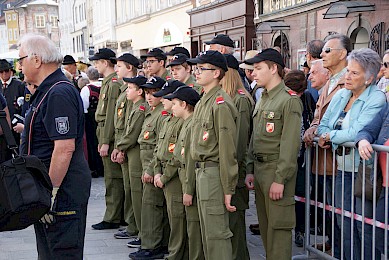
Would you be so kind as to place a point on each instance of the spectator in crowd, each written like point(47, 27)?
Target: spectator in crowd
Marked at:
point(350, 110)
point(334, 54)
point(296, 81)
point(383, 75)
point(318, 75)
point(221, 43)
point(70, 65)
point(3, 143)
point(255, 90)
point(376, 132)
point(314, 49)
point(82, 82)
point(305, 68)
point(56, 139)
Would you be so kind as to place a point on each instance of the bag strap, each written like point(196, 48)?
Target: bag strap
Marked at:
point(9, 138)
point(35, 110)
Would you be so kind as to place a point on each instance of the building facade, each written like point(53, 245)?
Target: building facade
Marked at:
point(290, 24)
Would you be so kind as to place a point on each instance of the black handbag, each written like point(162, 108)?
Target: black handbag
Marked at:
point(25, 187)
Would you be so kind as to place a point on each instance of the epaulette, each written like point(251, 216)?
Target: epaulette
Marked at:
point(168, 78)
point(114, 80)
point(142, 108)
point(164, 113)
point(219, 100)
point(240, 91)
point(190, 85)
point(292, 93)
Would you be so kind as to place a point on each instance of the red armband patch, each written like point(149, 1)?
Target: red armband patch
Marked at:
point(142, 108)
point(164, 113)
point(219, 100)
point(292, 93)
point(240, 91)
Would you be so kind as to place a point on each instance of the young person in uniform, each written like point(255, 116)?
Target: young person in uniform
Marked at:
point(166, 175)
point(126, 66)
point(213, 148)
point(273, 152)
point(184, 99)
point(155, 60)
point(128, 145)
point(176, 50)
point(233, 86)
point(182, 71)
point(153, 238)
point(104, 61)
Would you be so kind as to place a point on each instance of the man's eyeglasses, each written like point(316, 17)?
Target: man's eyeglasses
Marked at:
point(6, 71)
point(200, 70)
point(20, 60)
point(385, 64)
point(329, 49)
point(150, 61)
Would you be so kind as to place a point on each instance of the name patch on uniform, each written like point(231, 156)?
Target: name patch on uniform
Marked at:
point(205, 136)
point(62, 125)
point(171, 147)
point(270, 127)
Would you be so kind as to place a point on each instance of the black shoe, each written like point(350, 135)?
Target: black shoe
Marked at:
point(299, 239)
point(124, 235)
point(144, 254)
point(105, 225)
point(135, 243)
point(95, 174)
point(254, 228)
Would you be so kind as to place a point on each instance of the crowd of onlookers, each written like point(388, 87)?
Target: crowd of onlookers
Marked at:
point(139, 134)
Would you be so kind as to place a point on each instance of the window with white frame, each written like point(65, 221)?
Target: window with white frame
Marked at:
point(10, 35)
point(9, 17)
point(54, 21)
point(14, 17)
point(40, 21)
point(16, 34)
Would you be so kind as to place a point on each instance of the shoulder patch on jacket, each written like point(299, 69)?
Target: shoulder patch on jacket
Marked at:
point(114, 80)
point(190, 85)
point(168, 78)
point(292, 93)
point(142, 108)
point(219, 100)
point(240, 91)
point(164, 113)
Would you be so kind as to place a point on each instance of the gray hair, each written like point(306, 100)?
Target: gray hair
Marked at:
point(344, 41)
point(368, 59)
point(39, 45)
point(92, 73)
point(82, 82)
point(320, 63)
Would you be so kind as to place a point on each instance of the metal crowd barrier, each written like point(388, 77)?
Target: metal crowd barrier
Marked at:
point(327, 207)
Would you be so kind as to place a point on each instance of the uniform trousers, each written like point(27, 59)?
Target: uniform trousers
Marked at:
point(128, 208)
point(178, 242)
point(136, 186)
point(214, 218)
point(276, 218)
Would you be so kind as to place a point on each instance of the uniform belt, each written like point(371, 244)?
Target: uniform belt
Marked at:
point(266, 158)
point(146, 147)
point(206, 164)
point(100, 124)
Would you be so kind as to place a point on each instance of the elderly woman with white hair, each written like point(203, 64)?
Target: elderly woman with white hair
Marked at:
point(349, 111)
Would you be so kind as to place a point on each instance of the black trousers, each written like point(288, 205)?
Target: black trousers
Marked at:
point(94, 160)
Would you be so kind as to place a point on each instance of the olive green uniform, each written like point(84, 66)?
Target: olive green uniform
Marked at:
point(129, 145)
point(164, 163)
point(113, 177)
point(191, 82)
point(187, 177)
point(153, 200)
point(122, 111)
point(214, 150)
point(166, 75)
point(274, 149)
point(241, 197)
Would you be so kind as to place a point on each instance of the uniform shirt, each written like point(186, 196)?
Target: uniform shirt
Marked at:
point(167, 139)
point(214, 135)
point(182, 154)
point(122, 113)
point(13, 90)
point(110, 90)
point(191, 82)
point(243, 131)
point(276, 130)
point(133, 126)
point(166, 75)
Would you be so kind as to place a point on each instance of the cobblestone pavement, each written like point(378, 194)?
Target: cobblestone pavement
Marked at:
point(102, 245)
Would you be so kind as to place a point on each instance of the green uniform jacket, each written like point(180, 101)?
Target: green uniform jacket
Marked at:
point(163, 153)
point(191, 82)
point(133, 126)
point(109, 92)
point(122, 112)
point(166, 76)
point(243, 130)
point(182, 154)
point(214, 135)
point(151, 128)
point(276, 131)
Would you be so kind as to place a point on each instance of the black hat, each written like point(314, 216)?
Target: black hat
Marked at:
point(267, 54)
point(129, 58)
point(5, 65)
point(232, 62)
point(177, 50)
point(211, 57)
point(155, 52)
point(169, 87)
point(178, 59)
point(104, 54)
point(68, 59)
point(221, 39)
point(138, 80)
point(154, 82)
point(185, 93)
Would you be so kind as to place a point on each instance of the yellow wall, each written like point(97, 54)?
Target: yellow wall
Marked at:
point(11, 19)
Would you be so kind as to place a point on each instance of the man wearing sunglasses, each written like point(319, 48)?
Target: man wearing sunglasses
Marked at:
point(383, 75)
point(12, 89)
